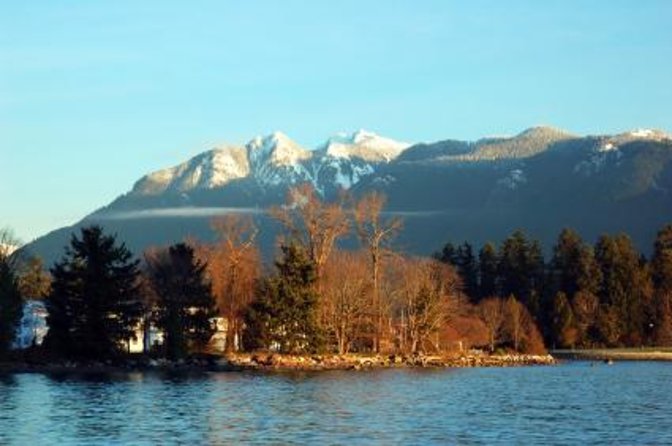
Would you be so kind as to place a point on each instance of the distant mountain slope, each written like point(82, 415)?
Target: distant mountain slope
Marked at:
point(540, 180)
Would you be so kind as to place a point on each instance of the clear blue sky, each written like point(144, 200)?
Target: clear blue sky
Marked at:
point(95, 94)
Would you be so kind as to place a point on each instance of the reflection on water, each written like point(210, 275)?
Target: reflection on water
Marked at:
point(572, 403)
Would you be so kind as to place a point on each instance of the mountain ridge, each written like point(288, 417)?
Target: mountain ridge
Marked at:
point(276, 158)
point(270, 160)
point(541, 180)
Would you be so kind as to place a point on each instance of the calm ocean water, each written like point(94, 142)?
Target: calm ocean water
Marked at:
point(574, 403)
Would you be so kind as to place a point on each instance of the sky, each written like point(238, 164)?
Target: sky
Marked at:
point(93, 95)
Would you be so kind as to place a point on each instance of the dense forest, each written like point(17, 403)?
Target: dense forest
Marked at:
point(606, 295)
point(319, 297)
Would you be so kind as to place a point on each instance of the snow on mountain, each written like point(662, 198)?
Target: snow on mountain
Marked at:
point(648, 134)
point(208, 170)
point(513, 179)
point(342, 172)
point(608, 149)
point(276, 148)
point(612, 142)
point(365, 145)
point(345, 159)
point(598, 161)
point(276, 159)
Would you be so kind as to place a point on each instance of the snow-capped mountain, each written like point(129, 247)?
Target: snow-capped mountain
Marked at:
point(540, 180)
point(276, 160)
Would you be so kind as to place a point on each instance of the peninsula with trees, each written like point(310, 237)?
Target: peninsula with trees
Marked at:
point(327, 302)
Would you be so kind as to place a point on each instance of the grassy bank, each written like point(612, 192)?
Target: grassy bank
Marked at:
point(617, 354)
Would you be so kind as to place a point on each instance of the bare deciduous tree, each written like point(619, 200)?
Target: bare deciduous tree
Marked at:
point(375, 235)
point(34, 280)
point(233, 267)
point(514, 320)
point(491, 311)
point(427, 293)
point(345, 299)
point(314, 224)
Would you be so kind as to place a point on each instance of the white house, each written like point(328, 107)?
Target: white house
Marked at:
point(147, 337)
point(33, 326)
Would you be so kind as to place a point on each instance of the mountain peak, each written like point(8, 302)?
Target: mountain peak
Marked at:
point(208, 170)
point(543, 131)
point(361, 136)
point(270, 141)
point(277, 148)
point(279, 137)
point(363, 144)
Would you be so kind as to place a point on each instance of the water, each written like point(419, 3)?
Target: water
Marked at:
point(574, 403)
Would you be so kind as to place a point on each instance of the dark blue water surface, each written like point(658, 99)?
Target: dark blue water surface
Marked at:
point(573, 403)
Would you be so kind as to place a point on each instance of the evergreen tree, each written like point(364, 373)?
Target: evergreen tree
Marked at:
point(585, 308)
point(283, 315)
point(93, 307)
point(467, 268)
point(448, 254)
point(661, 271)
point(10, 304)
point(573, 267)
point(564, 328)
point(608, 326)
point(521, 269)
point(536, 278)
point(574, 272)
point(185, 304)
point(661, 261)
point(488, 270)
point(625, 290)
point(512, 266)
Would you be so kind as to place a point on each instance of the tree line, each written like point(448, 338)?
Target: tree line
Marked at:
point(602, 295)
point(318, 297)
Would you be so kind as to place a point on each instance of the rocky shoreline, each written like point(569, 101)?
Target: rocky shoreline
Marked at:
point(277, 362)
point(361, 362)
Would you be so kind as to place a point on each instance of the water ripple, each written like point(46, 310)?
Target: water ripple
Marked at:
point(574, 403)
